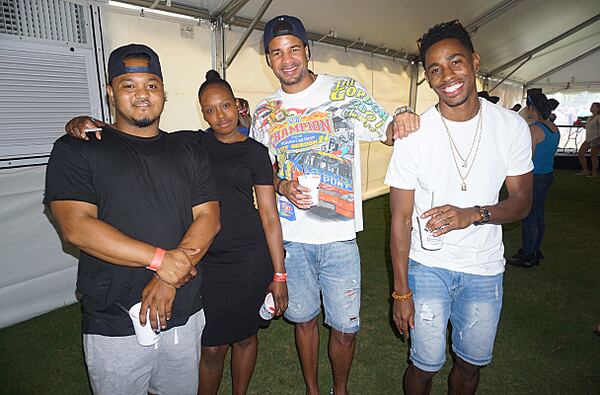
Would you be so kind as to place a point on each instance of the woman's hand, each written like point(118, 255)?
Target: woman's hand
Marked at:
point(280, 296)
point(79, 126)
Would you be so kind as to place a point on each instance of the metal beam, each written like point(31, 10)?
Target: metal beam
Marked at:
point(566, 64)
point(175, 8)
point(228, 9)
point(509, 74)
point(547, 44)
point(490, 15)
point(218, 47)
point(230, 13)
point(247, 33)
point(413, 72)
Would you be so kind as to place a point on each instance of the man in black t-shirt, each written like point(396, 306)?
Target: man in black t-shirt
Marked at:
point(142, 208)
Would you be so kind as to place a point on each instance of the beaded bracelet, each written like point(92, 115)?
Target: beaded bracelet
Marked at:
point(397, 296)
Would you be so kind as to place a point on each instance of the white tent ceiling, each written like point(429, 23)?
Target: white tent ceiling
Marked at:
point(504, 29)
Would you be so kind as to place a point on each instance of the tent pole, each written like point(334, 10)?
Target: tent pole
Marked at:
point(218, 46)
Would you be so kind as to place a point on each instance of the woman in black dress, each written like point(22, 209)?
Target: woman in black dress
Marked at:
point(239, 266)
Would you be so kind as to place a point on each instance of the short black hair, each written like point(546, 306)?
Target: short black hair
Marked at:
point(444, 31)
point(214, 78)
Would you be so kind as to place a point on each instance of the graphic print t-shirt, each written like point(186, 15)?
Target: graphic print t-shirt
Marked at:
point(316, 131)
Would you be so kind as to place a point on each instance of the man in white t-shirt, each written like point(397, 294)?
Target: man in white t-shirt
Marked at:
point(312, 125)
point(446, 238)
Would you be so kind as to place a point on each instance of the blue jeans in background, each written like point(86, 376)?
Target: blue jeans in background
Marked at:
point(533, 227)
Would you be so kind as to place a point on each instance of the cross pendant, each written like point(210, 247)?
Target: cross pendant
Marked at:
point(463, 186)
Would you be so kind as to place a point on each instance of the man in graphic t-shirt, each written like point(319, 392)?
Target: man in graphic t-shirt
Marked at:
point(446, 238)
point(312, 125)
point(142, 207)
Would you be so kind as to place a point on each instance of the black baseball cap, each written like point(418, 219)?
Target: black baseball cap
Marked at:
point(116, 64)
point(486, 95)
point(284, 25)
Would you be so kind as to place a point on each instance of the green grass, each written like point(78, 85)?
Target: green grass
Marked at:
point(545, 343)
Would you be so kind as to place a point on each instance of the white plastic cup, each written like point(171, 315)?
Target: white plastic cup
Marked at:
point(267, 310)
point(428, 240)
point(145, 334)
point(311, 181)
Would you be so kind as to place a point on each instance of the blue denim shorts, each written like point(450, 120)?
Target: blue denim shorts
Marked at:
point(332, 270)
point(471, 302)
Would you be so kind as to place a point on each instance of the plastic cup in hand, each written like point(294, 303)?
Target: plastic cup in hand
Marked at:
point(312, 182)
point(267, 310)
point(145, 334)
point(428, 240)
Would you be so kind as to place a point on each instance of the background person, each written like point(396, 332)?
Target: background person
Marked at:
point(244, 117)
point(545, 137)
point(592, 143)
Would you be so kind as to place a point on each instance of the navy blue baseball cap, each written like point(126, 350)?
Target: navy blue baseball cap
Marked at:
point(116, 64)
point(284, 25)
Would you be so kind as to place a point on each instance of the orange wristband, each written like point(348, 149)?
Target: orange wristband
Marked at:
point(157, 260)
point(280, 277)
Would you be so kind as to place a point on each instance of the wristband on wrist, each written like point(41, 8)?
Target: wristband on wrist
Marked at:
point(280, 277)
point(278, 189)
point(397, 296)
point(157, 259)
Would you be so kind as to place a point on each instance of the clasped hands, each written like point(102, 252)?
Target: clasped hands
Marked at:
point(176, 269)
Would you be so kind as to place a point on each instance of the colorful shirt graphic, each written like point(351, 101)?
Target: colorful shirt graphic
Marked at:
point(316, 132)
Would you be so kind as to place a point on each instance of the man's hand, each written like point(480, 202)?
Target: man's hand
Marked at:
point(176, 267)
point(158, 296)
point(78, 126)
point(447, 217)
point(403, 125)
point(296, 193)
point(280, 296)
point(404, 316)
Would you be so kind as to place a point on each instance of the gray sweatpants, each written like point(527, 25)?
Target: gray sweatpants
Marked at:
point(119, 365)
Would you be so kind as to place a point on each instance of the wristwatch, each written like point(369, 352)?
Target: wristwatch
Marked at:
point(484, 215)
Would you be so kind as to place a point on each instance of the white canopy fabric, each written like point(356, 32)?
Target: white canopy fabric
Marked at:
point(504, 30)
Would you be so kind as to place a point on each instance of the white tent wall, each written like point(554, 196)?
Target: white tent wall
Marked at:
point(37, 275)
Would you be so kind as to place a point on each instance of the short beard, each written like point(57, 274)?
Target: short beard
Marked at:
point(291, 81)
point(459, 103)
point(144, 122)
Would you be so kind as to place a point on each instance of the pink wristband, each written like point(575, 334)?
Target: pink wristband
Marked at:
point(157, 260)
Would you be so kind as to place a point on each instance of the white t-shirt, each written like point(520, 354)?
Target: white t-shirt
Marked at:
point(423, 162)
point(318, 131)
point(592, 129)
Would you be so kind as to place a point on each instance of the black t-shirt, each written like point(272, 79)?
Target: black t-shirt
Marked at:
point(144, 187)
point(237, 168)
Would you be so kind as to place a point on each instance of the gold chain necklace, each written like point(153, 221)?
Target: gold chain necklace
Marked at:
point(455, 151)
